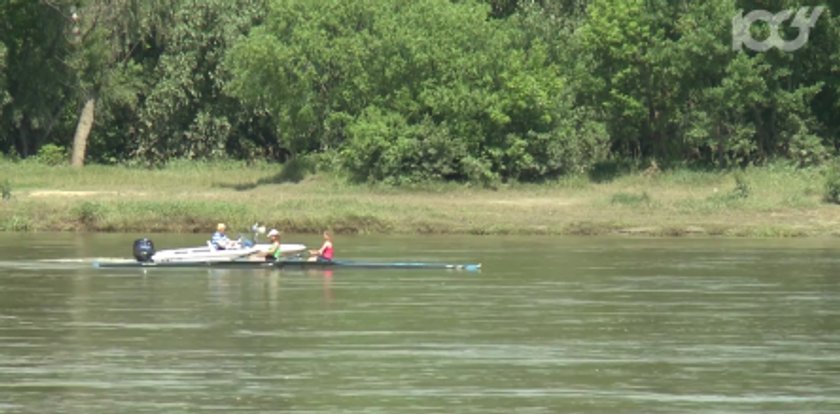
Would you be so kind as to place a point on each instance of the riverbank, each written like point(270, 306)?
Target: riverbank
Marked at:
point(774, 201)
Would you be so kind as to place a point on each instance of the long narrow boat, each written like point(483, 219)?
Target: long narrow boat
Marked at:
point(246, 264)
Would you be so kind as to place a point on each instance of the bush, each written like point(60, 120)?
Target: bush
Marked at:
point(16, 223)
point(742, 187)
point(52, 154)
point(6, 189)
point(295, 170)
point(383, 146)
point(89, 213)
point(631, 199)
point(832, 184)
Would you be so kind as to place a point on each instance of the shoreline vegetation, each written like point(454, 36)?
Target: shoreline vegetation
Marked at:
point(400, 92)
point(418, 117)
point(187, 196)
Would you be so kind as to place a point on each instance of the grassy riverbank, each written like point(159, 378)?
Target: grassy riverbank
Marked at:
point(775, 201)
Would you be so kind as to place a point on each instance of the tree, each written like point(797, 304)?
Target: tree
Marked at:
point(71, 61)
point(185, 113)
point(631, 43)
point(409, 91)
point(33, 36)
point(672, 88)
point(4, 94)
point(105, 36)
point(747, 107)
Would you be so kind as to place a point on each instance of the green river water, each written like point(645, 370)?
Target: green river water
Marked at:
point(550, 325)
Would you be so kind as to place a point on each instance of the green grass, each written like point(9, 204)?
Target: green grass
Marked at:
point(631, 199)
point(772, 201)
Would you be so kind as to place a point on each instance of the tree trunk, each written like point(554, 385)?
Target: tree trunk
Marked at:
point(82, 132)
point(23, 148)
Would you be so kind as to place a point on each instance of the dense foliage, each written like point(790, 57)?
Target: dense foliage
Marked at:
point(406, 91)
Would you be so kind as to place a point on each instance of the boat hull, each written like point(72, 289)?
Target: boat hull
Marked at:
point(208, 254)
point(291, 264)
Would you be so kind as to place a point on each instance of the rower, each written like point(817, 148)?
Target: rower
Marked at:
point(325, 253)
point(274, 252)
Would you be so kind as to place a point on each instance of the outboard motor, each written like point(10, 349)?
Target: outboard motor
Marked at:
point(144, 249)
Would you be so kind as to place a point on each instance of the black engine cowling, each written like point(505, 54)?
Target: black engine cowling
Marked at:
point(144, 249)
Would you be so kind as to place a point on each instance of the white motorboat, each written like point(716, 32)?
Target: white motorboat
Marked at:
point(144, 251)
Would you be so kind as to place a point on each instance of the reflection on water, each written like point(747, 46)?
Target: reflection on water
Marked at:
point(224, 289)
point(550, 325)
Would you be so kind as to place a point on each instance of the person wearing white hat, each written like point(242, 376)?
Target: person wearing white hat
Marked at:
point(273, 253)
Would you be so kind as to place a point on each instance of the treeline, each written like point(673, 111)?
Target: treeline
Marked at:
point(402, 91)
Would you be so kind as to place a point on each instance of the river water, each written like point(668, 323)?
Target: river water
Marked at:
point(550, 325)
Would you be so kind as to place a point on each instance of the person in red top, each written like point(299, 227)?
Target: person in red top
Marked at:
point(325, 253)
